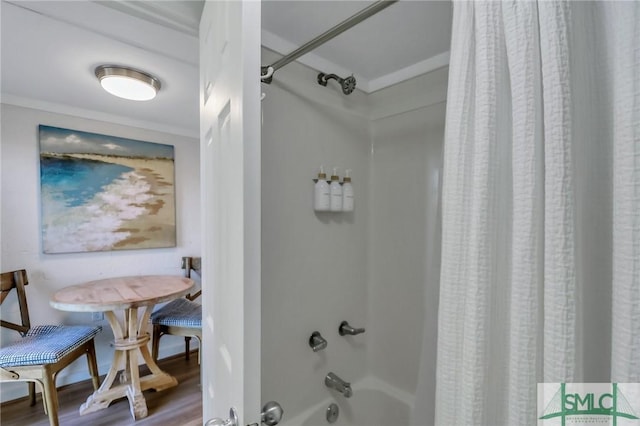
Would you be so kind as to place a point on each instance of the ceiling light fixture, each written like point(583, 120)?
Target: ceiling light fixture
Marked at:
point(128, 83)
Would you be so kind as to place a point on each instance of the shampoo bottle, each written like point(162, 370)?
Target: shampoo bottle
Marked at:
point(336, 192)
point(347, 192)
point(321, 199)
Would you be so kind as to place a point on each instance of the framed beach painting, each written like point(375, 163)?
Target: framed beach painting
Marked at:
point(103, 193)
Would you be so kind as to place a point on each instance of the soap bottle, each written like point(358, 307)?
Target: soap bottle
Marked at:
point(347, 192)
point(321, 199)
point(336, 192)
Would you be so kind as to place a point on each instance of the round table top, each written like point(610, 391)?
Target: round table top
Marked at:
point(121, 293)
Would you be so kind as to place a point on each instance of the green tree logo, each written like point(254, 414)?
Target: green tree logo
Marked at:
point(565, 404)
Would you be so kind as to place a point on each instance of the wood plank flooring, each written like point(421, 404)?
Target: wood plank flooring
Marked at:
point(178, 406)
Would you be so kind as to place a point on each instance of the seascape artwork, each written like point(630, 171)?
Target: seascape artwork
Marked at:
point(104, 193)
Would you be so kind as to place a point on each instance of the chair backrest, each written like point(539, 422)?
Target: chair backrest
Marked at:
point(9, 281)
point(189, 264)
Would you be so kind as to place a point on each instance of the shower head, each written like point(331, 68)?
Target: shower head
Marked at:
point(348, 84)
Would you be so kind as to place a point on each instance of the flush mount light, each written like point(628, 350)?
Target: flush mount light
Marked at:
point(128, 83)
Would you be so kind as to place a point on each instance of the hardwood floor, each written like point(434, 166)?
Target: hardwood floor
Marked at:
point(178, 406)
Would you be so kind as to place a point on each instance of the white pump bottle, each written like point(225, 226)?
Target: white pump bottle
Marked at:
point(321, 196)
point(336, 192)
point(347, 192)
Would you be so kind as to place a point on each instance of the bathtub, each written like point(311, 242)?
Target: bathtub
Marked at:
point(374, 403)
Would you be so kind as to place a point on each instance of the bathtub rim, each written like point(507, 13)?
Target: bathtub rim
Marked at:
point(366, 383)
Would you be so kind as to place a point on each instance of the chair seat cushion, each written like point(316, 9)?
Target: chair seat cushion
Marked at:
point(179, 313)
point(46, 344)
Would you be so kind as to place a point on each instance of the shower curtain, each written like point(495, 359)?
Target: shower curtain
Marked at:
point(540, 272)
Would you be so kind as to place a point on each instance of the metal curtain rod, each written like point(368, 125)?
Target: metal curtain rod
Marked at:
point(267, 71)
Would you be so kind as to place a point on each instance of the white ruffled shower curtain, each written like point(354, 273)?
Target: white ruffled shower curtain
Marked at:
point(540, 272)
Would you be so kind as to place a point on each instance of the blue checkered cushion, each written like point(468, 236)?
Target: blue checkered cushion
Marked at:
point(180, 313)
point(46, 344)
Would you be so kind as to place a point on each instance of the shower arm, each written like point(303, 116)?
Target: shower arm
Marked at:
point(347, 84)
point(266, 72)
point(324, 78)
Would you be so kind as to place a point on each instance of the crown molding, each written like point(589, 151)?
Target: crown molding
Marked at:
point(423, 67)
point(58, 108)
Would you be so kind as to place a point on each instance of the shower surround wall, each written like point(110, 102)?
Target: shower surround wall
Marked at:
point(404, 250)
point(368, 267)
point(313, 274)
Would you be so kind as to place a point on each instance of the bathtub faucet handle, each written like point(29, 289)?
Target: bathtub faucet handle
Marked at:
point(345, 329)
point(317, 342)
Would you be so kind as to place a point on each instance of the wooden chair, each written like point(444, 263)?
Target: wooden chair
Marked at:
point(43, 350)
point(180, 317)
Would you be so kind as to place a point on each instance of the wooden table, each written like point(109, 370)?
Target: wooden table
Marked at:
point(131, 336)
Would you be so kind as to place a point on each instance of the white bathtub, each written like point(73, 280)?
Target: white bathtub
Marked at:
point(374, 403)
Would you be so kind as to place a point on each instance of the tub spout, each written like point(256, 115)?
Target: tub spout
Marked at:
point(332, 381)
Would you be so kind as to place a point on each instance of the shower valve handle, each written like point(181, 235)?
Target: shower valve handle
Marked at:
point(346, 329)
point(317, 342)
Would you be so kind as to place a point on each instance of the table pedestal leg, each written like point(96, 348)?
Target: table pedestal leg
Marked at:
point(131, 338)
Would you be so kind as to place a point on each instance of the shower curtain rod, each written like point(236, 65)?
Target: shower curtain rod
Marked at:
point(268, 71)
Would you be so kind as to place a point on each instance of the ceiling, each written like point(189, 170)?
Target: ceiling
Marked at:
point(49, 50)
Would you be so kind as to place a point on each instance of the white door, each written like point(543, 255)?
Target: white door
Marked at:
point(230, 184)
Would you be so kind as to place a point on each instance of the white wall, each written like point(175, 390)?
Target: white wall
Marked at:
point(369, 267)
point(21, 242)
